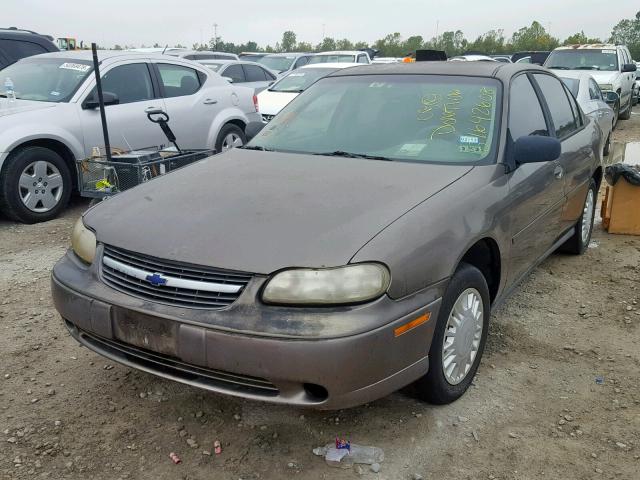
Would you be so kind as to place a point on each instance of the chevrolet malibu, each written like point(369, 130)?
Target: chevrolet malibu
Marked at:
point(356, 245)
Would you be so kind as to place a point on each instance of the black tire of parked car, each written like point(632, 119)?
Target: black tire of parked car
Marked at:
point(226, 130)
point(616, 114)
point(575, 245)
point(11, 203)
point(626, 115)
point(607, 146)
point(433, 387)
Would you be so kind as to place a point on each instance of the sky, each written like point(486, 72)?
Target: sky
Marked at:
point(136, 22)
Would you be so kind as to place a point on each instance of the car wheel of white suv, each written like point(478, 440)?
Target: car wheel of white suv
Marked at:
point(626, 115)
point(35, 185)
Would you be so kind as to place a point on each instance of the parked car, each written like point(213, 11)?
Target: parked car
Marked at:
point(472, 58)
point(16, 44)
point(55, 120)
point(200, 55)
point(535, 57)
point(285, 62)
point(357, 244)
point(502, 58)
point(386, 60)
point(245, 73)
point(610, 65)
point(594, 105)
point(341, 57)
point(251, 56)
point(276, 97)
point(636, 87)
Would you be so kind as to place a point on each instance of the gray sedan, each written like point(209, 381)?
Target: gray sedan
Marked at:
point(356, 245)
point(247, 74)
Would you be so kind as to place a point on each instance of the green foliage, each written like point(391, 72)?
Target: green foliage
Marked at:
point(533, 38)
point(328, 44)
point(627, 32)
point(288, 42)
point(580, 38)
point(490, 43)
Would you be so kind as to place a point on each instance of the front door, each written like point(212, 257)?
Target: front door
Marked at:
point(536, 189)
point(129, 128)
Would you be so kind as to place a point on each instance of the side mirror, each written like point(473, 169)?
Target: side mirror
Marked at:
point(228, 79)
point(611, 98)
point(108, 97)
point(629, 67)
point(536, 149)
point(253, 129)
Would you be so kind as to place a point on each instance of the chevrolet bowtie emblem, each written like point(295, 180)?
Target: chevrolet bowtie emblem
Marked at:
point(156, 280)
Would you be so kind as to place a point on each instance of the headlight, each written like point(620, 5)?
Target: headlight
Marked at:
point(83, 241)
point(328, 286)
point(606, 86)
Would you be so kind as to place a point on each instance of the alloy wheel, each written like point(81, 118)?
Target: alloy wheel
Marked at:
point(232, 140)
point(587, 215)
point(462, 336)
point(40, 186)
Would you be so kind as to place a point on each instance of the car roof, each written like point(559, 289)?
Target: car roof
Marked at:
point(27, 35)
point(112, 54)
point(501, 71)
point(589, 46)
point(326, 65)
point(342, 52)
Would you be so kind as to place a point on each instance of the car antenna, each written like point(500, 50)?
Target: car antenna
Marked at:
point(103, 117)
point(165, 48)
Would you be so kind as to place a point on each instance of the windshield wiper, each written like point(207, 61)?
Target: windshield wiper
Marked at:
point(251, 147)
point(587, 68)
point(340, 153)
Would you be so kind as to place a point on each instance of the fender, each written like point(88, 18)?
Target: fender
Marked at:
point(222, 118)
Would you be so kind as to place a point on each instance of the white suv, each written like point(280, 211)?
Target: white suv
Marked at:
point(610, 65)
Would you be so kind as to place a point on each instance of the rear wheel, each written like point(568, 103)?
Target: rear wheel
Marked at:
point(35, 185)
point(607, 146)
point(459, 338)
point(231, 136)
point(579, 242)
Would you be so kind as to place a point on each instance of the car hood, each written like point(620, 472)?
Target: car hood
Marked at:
point(262, 211)
point(604, 77)
point(21, 106)
point(270, 103)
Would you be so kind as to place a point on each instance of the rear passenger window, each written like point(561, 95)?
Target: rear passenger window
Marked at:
point(178, 81)
point(235, 72)
point(525, 113)
point(254, 73)
point(557, 99)
point(362, 59)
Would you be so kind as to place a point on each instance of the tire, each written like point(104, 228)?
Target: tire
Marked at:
point(626, 115)
point(616, 114)
point(230, 133)
point(579, 242)
point(437, 386)
point(41, 200)
point(607, 146)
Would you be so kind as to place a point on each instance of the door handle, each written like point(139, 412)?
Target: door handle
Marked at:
point(210, 101)
point(558, 172)
point(152, 109)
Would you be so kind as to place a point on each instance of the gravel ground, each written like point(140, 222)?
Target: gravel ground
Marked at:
point(557, 394)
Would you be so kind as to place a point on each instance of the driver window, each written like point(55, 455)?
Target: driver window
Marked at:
point(131, 83)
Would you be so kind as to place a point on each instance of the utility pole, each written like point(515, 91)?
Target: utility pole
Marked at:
point(215, 36)
point(323, 31)
point(437, 30)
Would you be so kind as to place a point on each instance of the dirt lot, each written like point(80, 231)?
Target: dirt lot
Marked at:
point(536, 409)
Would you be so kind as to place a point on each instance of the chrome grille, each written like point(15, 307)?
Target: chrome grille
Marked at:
point(188, 286)
point(168, 366)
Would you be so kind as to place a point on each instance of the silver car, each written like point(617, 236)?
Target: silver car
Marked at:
point(284, 62)
point(55, 120)
point(593, 103)
point(245, 73)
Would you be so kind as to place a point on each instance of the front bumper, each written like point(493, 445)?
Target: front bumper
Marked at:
point(329, 370)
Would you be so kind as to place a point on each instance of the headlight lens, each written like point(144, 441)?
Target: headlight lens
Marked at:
point(83, 242)
point(328, 286)
point(606, 86)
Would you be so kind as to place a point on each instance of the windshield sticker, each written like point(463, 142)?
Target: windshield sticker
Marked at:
point(609, 51)
point(377, 85)
point(411, 149)
point(78, 67)
point(469, 139)
point(54, 93)
point(471, 149)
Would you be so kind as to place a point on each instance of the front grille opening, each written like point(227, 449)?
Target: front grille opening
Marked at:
point(175, 296)
point(317, 392)
point(167, 366)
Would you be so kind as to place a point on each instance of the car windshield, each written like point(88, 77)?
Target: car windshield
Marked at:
point(299, 80)
point(572, 84)
point(46, 79)
point(415, 118)
point(213, 66)
point(583, 59)
point(277, 63)
point(333, 59)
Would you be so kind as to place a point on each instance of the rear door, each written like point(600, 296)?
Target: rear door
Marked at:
point(536, 189)
point(191, 105)
point(576, 159)
point(128, 125)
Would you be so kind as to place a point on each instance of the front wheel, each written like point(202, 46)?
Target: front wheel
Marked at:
point(607, 146)
point(616, 114)
point(627, 113)
point(459, 338)
point(231, 136)
point(581, 237)
point(35, 185)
